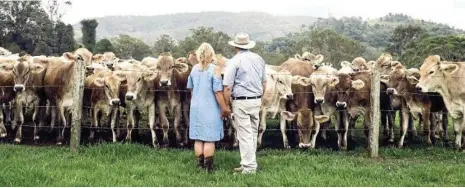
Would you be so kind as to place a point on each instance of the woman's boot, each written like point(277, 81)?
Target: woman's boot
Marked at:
point(209, 164)
point(200, 162)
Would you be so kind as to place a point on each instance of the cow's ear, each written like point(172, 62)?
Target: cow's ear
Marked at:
point(437, 58)
point(119, 75)
point(302, 81)
point(69, 56)
point(36, 68)
point(333, 81)
point(321, 118)
point(384, 78)
point(99, 82)
point(345, 64)
point(357, 84)
point(6, 67)
point(395, 63)
point(297, 56)
point(181, 67)
point(448, 68)
point(319, 58)
point(97, 57)
point(412, 80)
point(288, 116)
point(150, 75)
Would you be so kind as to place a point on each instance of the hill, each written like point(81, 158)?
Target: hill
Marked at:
point(261, 26)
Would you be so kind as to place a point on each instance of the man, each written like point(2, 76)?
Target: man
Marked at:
point(244, 83)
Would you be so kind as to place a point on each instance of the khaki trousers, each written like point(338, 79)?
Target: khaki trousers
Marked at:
point(246, 120)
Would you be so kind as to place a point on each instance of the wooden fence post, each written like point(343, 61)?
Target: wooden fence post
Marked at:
point(373, 138)
point(78, 93)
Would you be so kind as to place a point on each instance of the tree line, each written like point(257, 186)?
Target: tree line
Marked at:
point(30, 28)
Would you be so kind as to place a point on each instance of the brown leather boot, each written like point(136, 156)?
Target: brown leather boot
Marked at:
point(200, 162)
point(209, 164)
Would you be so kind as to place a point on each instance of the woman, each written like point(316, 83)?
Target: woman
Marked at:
point(207, 107)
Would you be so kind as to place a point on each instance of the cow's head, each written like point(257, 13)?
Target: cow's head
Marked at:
point(433, 73)
point(110, 81)
point(221, 62)
point(4, 52)
point(110, 59)
point(359, 64)
point(384, 64)
point(137, 78)
point(166, 67)
point(23, 68)
point(283, 81)
point(305, 124)
point(345, 86)
point(323, 78)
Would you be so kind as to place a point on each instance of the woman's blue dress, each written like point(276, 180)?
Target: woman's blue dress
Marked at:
point(206, 123)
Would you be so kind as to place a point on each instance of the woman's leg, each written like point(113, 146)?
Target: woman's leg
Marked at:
point(198, 150)
point(209, 151)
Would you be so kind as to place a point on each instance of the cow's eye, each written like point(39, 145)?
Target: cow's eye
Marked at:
point(107, 86)
point(281, 82)
point(431, 72)
point(139, 79)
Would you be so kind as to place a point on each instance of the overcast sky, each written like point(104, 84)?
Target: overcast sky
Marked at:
point(451, 12)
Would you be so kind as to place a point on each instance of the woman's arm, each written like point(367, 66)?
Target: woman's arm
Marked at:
point(225, 111)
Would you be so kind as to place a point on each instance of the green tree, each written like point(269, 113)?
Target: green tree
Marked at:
point(164, 43)
point(89, 32)
point(23, 24)
point(403, 37)
point(218, 40)
point(450, 48)
point(128, 47)
point(103, 45)
point(64, 38)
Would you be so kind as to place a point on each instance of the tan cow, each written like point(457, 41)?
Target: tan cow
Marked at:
point(172, 80)
point(59, 78)
point(309, 57)
point(278, 91)
point(140, 94)
point(28, 74)
point(446, 78)
point(4, 52)
point(192, 59)
point(359, 64)
point(104, 86)
point(300, 108)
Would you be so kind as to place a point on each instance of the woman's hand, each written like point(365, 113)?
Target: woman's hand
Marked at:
point(225, 112)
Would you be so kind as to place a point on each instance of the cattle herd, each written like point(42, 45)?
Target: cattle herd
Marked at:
point(303, 92)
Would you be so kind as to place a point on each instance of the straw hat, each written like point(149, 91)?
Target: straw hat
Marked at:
point(241, 40)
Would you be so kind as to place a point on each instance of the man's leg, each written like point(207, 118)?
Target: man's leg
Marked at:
point(254, 112)
point(244, 134)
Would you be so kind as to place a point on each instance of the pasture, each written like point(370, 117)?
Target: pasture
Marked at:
point(137, 164)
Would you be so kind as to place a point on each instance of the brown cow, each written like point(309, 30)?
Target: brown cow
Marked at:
point(359, 64)
point(402, 81)
point(172, 78)
point(301, 107)
point(7, 93)
point(59, 81)
point(28, 74)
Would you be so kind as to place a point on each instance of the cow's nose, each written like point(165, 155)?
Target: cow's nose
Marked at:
point(115, 102)
point(290, 97)
point(19, 88)
point(390, 91)
point(319, 100)
point(356, 69)
point(129, 97)
point(164, 83)
point(341, 104)
point(418, 88)
point(304, 146)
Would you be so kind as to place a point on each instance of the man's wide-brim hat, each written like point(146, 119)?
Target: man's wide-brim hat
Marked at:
point(241, 40)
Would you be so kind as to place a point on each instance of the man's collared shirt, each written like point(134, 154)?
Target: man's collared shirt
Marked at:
point(245, 72)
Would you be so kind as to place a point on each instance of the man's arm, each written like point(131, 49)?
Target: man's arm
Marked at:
point(228, 82)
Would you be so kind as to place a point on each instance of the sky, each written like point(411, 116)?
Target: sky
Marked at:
point(450, 12)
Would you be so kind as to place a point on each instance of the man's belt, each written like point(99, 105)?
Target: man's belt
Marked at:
point(246, 98)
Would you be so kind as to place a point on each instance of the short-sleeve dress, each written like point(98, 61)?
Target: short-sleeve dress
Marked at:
point(205, 122)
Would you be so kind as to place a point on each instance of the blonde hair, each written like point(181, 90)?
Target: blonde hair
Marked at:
point(205, 55)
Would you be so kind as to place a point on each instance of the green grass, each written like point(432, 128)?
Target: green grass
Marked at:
point(139, 165)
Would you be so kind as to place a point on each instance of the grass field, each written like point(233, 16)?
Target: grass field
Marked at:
point(140, 165)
